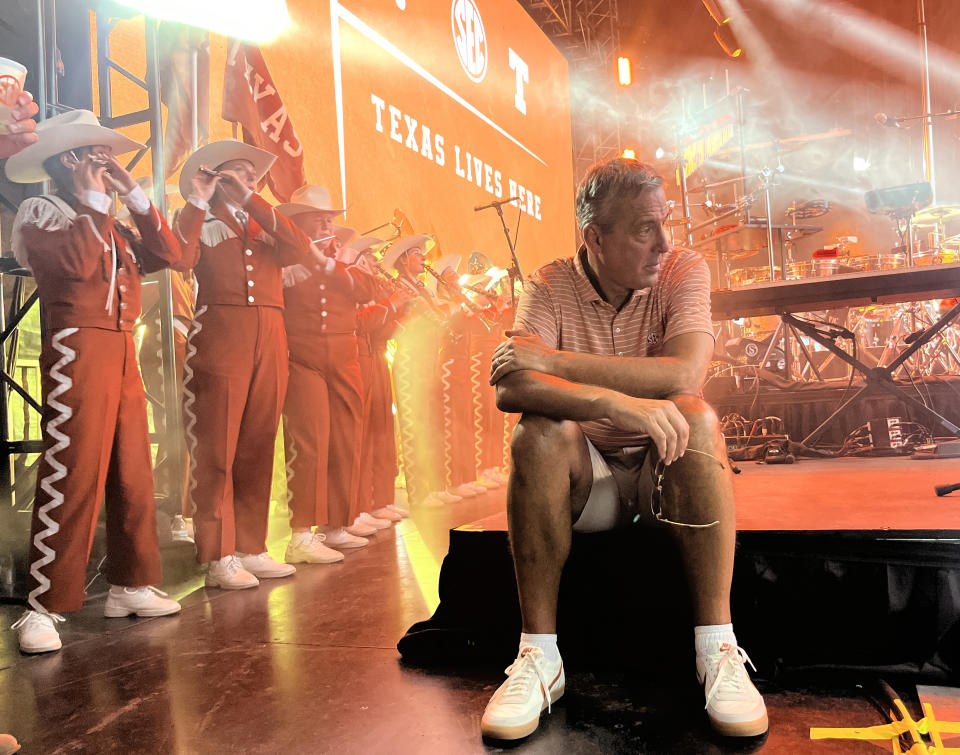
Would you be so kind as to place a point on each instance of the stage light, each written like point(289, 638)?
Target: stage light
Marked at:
point(660, 153)
point(727, 41)
point(629, 154)
point(860, 164)
point(623, 68)
point(716, 12)
point(251, 20)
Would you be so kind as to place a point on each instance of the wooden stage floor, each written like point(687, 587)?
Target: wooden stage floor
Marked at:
point(309, 664)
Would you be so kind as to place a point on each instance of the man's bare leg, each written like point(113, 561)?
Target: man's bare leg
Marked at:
point(549, 485)
point(696, 490)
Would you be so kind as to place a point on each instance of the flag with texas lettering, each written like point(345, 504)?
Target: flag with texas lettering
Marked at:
point(251, 99)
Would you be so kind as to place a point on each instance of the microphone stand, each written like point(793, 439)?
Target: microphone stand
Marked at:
point(514, 270)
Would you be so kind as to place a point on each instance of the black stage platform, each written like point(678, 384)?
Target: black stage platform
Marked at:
point(841, 563)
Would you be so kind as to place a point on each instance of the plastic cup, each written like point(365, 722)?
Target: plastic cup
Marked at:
point(12, 76)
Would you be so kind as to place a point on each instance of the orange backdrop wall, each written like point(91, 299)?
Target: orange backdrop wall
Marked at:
point(421, 109)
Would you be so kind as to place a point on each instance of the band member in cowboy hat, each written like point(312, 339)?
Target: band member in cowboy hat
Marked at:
point(87, 269)
point(415, 375)
point(457, 405)
point(236, 370)
point(323, 413)
point(376, 324)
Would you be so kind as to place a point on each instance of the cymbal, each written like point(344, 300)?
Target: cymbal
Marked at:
point(936, 215)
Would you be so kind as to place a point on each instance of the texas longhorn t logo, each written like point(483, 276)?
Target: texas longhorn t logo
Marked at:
point(469, 38)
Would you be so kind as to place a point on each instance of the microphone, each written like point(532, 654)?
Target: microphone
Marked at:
point(495, 204)
point(888, 120)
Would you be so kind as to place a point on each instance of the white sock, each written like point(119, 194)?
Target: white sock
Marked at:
point(708, 639)
point(546, 642)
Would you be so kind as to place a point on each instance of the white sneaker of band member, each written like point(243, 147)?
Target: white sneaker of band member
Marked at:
point(37, 632)
point(229, 574)
point(371, 521)
point(734, 706)
point(388, 513)
point(533, 684)
point(485, 483)
point(342, 539)
point(359, 529)
point(433, 501)
point(444, 497)
point(265, 566)
point(464, 491)
point(494, 474)
point(402, 513)
point(308, 548)
point(143, 601)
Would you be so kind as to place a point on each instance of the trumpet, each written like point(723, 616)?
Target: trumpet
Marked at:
point(456, 292)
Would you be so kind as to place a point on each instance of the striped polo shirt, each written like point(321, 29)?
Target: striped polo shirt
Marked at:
point(560, 305)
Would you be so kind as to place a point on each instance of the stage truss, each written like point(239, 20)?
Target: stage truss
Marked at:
point(587, 32)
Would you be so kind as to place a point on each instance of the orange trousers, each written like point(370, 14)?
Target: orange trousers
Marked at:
point(236, 378)
point(378, 457)
point(96, 442)
point(322, 424)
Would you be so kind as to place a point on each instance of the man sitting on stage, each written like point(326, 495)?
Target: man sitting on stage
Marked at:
point(609, 354)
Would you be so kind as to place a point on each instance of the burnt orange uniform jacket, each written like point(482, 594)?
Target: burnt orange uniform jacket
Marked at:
point(236, 369)
point(88, 268)
point(323, 413)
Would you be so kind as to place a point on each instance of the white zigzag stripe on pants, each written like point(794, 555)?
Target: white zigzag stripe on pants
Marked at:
point(189, 399)
point(48, 483)
point(290, 455)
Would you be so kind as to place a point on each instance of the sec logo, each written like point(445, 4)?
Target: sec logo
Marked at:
point(469, 38)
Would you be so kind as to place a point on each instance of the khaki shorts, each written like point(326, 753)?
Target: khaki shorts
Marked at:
point(621, 491)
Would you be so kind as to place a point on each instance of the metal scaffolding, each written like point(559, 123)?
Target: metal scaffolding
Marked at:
point(587, 32)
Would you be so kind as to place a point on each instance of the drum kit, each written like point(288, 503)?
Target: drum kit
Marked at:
point(925, 240)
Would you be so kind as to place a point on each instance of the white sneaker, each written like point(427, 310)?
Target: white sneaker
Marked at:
point(342, 539)
point(37, 631)
point(444, 497)
point(734, 706)
point(308, 548)
point(359, 529)
point(264, 566)
point(388, 513)
point(393, 508)
point(433, 501)
point(143, 601)
point(464, 491)
point(485, 484)
point(494, 474)
point(369, 519)
point(229, 574)
point(533, 684)
point(180, 531)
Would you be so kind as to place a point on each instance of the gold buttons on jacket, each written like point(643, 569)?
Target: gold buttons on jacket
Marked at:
point(249, 252)
point(249, 268)
point(250, 299)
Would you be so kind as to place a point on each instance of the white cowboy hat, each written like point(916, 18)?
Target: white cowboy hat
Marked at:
point(403, 245)
point(363, 244)
point(309, 199)
point(215, 154)
point(449, 262)
point(351, 253)
point(75, 128)
point(344, 235)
